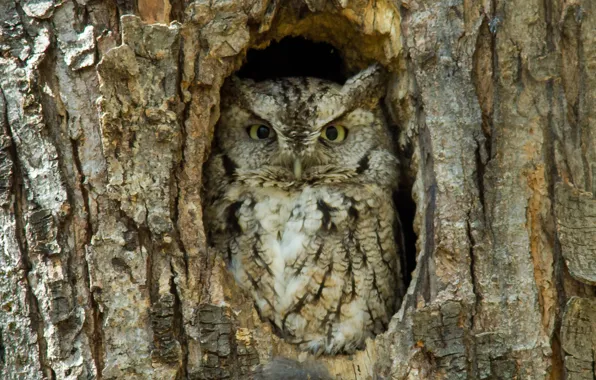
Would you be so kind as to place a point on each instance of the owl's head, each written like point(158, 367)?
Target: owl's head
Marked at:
point(306, 131)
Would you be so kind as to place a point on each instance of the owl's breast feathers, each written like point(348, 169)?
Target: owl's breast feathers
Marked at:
point(321, 260)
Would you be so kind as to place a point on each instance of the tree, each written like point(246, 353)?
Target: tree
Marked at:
point(106, 117)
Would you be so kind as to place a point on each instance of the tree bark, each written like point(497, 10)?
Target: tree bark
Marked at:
point(107, 111)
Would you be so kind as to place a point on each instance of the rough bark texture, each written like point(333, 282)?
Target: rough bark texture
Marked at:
point(106, 117)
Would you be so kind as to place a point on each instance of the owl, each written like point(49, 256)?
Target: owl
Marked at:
point(299, 201)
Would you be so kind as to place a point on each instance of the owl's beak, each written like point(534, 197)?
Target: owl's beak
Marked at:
point(297, 168)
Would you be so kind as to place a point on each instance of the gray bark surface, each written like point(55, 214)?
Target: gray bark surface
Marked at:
point(107, 110)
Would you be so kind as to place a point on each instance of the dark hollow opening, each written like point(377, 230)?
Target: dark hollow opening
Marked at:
point(406, 209)
point(294, 57)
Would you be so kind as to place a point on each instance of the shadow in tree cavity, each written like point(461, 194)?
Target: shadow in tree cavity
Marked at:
point(294, 57)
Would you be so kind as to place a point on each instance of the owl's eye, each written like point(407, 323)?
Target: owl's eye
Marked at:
point(259, 131)
point(334, 133)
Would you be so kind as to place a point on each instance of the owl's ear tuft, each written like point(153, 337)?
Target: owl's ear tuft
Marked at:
point(368, 85)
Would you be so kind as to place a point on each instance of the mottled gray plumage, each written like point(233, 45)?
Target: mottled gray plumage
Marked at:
point(308, 224)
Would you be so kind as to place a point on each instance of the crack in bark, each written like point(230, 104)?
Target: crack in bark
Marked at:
point(472, 244)
point(485, 46)
point(582, 91)
point(551, 178)
point(425, 169)
point(146, 241)
point(480, 171)
point(425, 288)
point(558, 261)
point(67, 237)
point(177, 232)
point(469, 335)
point(156, 302)
point(2, 350)
point(96, 347)
point(178, 326)
point(184, 116)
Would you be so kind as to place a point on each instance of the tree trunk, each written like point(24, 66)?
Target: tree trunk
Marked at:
point(106, 117)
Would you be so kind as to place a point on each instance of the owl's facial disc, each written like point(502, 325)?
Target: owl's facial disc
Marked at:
point(301, 130)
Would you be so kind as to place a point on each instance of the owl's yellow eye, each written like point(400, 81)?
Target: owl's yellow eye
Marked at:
point(259, 131)
point(334, 133)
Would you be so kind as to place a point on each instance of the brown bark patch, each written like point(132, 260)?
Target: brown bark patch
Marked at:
point(155, 11)
point(541, 248)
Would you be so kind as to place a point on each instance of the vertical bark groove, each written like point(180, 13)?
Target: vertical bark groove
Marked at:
point(95, 336)
point(178, 326)
point(582, 103)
